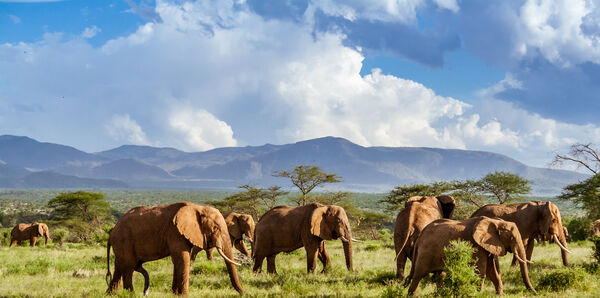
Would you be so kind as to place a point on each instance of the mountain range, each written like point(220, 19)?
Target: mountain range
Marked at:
point(27, 163)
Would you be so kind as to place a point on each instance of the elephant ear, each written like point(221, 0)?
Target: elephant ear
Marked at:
point(40, 229)
point(486, 234)
point(234, 227)
point(545, 218)
point(448, 205)
point(318, 225)
point(187, 220)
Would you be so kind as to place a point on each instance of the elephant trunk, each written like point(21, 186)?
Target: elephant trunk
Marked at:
point(519, 250)
point(46, 237)
point(231, 269)
point(347, 244)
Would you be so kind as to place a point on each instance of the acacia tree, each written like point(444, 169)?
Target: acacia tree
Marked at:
point(503, 186)
point(83, 213)
point(396, 198)
point(585, 193)
point(254, 200)
point(307, 178)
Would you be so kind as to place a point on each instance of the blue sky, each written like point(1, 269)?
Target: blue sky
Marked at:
point(515, 77)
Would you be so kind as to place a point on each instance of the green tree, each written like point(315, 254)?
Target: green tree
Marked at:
point(397, 197)
point(307, 178)
point(254, 200)
point(83, 213)
point(585, 194)
point(504, 187)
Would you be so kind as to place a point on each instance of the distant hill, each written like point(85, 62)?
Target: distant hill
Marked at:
point(370, 169)
point(54, 180)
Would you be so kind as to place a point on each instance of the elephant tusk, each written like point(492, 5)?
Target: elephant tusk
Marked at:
point(344, 239)
point(356, 240)
point(226, 258)
point(560, 244)
point(521, 260)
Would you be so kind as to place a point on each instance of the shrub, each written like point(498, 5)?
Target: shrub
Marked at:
point(579, 227)
point(394, 289)
point(564, 278)
point(372, 246)
point(596, 241)
point(59, 236)
point(461, 279)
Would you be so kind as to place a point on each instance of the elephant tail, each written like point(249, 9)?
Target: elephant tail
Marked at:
point(108, 275)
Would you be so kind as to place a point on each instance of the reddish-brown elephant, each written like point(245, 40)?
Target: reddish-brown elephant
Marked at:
point(24, 232)
point(238, 225)
point(490, 238)
point(533, 219)
point(595, 230)
point(285, 229)
point(418, 212)
point(150, 233)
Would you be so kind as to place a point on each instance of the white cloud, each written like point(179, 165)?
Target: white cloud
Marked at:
point(90, 32)
point(123, 128)
point(200, 130)
point(14, 19)
point(203, 76)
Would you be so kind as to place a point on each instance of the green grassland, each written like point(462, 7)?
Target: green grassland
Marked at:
point(77, 270)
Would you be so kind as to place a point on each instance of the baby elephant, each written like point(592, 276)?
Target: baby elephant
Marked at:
point(23, 232)
point(490, 238)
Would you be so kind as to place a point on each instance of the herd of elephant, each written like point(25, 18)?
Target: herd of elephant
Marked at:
point(422, 230)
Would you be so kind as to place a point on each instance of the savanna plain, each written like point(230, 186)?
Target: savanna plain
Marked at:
point(79, 270)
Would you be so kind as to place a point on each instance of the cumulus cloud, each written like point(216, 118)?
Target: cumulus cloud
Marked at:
point(123, 128)
point(221, 75)
point(201, 130)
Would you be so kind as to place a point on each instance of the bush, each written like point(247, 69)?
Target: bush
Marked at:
point(372, 246)
point(579, 227)
point(461, 279)
point(596, 241)
point(59, 236)
point(394, 289)
point(564, 278)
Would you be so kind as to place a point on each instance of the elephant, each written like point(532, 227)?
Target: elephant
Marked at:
point(22, 232)
point(490, 238)
point(285, 229)
point(533, 219)
point(146, 234)
point(595, 230)
point(418, 212)
point(238, 225)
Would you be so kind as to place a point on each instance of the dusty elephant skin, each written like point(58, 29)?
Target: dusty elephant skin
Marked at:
point(23, 232)
point(285, 229)
point(595, 231)
point(418, 212)
point(238, 225)
point(150, 233)
point(490, 238)
point(533, 219)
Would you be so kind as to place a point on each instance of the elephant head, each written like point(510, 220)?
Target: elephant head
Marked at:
point(205, 228)
point(331, 222)
point(42, 230)
point(551, 227)
point(498, 237)
point(242, 224)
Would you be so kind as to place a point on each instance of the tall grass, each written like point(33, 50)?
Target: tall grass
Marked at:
point(77, 270)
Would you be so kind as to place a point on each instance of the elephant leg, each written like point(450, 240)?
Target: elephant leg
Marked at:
point(529, 249)
point(128, 279)
point(258, 260)
point(481, 265)
point(181, 270)
point(32, 241)
point(493, 273)
point(416, 277)
point(400, 264)
point(324, 257)
point(143, 271)
point(209, 254)
point(311, 257)
point(116, 278)
point(13, 242)
point(271, 264)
